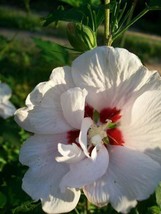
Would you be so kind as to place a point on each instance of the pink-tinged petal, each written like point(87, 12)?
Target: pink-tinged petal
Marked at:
point(43, 177)
point(67, 202)
point(73, 104)
point(70, 153)
point(43, 113)
point(131, 176)
point(86, 124)
point(143, 130)
point(86, 171)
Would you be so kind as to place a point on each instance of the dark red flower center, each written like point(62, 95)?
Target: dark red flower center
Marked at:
point(114, 134)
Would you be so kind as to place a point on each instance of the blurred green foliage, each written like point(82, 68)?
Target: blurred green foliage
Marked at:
point(13, 18)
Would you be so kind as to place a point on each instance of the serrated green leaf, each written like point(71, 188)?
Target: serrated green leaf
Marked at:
point(52, 52)
point(154, 210)
point(158, 195)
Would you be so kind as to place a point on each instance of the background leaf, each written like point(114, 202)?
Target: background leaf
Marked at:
point(52, 52)
point(85, 14)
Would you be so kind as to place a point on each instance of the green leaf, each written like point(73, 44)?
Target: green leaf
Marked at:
point(154, 210)
point(52, 52)
point(158, 195)
point(71, 15)
point(85, 14)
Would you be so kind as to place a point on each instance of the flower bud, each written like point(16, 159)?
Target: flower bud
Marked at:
point(81, 37)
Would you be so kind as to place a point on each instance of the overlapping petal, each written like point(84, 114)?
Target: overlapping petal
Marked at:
point(43, 114)
point(111, 74)
point(43, 177)
point(131, 176)
point(86, 171)
point(73, 105)
point(143, 130)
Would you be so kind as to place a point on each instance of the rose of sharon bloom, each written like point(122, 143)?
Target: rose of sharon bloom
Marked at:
point(7, 109)
point(97, 128)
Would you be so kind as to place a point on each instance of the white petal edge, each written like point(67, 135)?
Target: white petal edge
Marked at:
point(68, 202)
point(43, 114)
point(86, 171)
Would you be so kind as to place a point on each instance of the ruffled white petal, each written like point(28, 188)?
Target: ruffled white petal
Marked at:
point(131, 176)
point(86, 171)
point(70, 153)
point(73, 104)
point(142, 131)
point(44, 114)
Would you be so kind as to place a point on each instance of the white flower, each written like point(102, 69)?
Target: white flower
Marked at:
point(97, 127)
point(7, 109)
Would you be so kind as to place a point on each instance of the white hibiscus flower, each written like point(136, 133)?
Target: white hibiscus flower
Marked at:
point(97, 127)
point(7, 109)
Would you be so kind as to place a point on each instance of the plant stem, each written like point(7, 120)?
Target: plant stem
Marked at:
point(107, 35)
